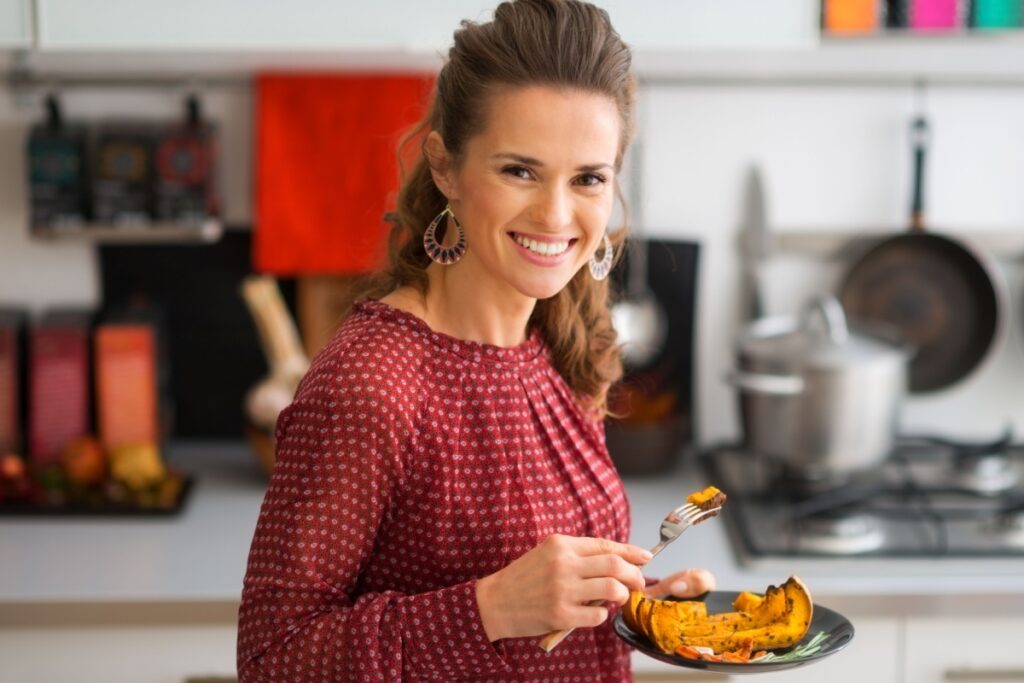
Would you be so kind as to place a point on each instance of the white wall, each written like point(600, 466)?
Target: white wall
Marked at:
point(833, 159)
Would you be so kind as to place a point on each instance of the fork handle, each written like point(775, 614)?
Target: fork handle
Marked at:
point(548, 642)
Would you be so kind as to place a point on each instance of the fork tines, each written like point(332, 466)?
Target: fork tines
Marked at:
point(695, 515)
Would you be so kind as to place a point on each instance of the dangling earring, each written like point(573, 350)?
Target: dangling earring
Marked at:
point(599, 269)
point(444, 255)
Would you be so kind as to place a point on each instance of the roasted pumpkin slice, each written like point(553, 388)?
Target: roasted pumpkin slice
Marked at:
point(767, 612)
point(643, 614)
point(747, 601)
point(669, 618)
point(777, 619)
point(629, 610)
point(786, 627)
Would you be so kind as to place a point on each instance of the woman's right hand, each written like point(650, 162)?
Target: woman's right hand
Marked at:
point(548, 588)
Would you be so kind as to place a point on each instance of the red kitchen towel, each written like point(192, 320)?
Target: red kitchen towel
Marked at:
point(327, 168)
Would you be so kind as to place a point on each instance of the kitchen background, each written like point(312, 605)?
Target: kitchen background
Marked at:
point(725, 86)
point(830, 136)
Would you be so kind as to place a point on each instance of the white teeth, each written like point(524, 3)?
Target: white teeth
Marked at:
point(542, 248)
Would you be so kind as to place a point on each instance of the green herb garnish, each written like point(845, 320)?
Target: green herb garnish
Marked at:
point(798, 651)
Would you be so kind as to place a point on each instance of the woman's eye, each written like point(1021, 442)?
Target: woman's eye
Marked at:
point(517, 171)
point(591, 180)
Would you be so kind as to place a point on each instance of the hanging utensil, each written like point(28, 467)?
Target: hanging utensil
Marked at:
point(944, 297)
point(638, 318)
point(755, 245)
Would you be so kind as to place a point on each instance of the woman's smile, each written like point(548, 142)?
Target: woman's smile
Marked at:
point(543, 250)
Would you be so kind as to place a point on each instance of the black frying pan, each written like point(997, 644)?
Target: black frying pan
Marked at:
point(942, 295)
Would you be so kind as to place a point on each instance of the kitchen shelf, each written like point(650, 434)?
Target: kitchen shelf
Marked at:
point(909, 37)
point(207, 232)
point(962, 60)
point(838, 244)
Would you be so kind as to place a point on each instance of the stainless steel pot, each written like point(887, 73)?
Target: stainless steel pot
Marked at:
point(817, 396)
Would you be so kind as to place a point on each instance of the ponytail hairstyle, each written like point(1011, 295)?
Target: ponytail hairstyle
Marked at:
point(560, 43)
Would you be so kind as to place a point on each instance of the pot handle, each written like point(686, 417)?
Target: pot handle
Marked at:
point(774, 385)
point(831, 311)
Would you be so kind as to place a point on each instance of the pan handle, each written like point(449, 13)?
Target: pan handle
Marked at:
point(832, 313)
point(919, 138)
point(775, 385)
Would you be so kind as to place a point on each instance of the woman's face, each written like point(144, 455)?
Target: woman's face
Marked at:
point(534, 192)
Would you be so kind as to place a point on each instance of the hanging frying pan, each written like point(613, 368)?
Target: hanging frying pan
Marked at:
point(944, 296)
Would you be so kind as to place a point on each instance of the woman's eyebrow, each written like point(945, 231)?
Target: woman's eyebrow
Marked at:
point(530, 161)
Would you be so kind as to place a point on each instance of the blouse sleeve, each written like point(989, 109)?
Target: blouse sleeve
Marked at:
point(339, 463)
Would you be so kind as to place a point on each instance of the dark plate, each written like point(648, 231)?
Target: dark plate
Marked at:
point(838, 628)
point(99, 508)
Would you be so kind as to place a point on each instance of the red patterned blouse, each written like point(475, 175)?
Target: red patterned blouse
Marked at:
point(411, 464)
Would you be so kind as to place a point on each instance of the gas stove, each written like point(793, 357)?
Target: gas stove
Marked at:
point(932, 498)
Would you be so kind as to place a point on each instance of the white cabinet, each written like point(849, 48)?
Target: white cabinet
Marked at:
point(968, 650)
point(426, 27)
point(117, 654)
point(668, 25)
point(873, 655)
point(251, 25)
point(15, 23)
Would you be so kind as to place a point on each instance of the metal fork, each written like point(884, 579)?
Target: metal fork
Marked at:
point(672, 527)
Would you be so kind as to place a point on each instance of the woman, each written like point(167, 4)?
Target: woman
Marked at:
point(442, 495)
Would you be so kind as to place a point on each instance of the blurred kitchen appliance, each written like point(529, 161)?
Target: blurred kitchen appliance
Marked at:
point(945, 297)
point(58, 171)
point(12, 380)
point(59, 383)
point(819, 396)
point(930, 498)
point(127, 397)
point(184, 173)
point(123, 174)
point(655, 403)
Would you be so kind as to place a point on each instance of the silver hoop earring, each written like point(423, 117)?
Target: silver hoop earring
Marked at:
point(599, 269)
point(437, 253)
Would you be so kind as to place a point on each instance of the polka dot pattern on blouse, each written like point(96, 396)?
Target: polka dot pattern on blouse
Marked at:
point(410, 465)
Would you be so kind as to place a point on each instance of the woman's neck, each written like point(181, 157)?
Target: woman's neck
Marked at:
point(469, 306)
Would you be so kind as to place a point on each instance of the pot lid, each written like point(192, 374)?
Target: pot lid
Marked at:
point(818, 337)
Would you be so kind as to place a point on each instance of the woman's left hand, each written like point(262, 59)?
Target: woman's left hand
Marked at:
point(687, 583)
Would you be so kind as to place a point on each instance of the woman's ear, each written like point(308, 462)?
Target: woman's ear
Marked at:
point(441, 164)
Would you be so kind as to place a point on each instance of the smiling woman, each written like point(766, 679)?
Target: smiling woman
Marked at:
point(442, 494)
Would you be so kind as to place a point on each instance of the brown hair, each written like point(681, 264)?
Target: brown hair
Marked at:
point(561, 43)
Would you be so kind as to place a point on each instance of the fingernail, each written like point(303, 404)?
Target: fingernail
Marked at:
point(678, 587)
point(646, 554)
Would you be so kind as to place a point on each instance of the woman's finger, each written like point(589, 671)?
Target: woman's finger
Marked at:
point(584, 616)
point(612, 566)
point(633, 554)
point(605, 589)
point(687, 583)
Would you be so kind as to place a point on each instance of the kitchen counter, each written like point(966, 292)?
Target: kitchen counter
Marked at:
point(194, 563)
point(161, 586)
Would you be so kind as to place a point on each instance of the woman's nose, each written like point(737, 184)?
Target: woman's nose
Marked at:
point(553, 209)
